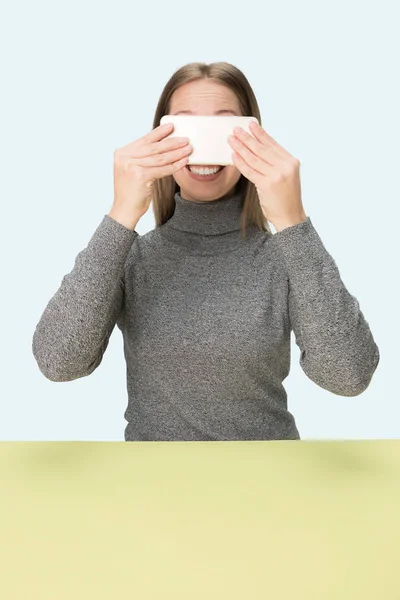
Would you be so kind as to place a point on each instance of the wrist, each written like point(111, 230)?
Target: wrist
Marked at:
point(129, 221)
point(289, 223)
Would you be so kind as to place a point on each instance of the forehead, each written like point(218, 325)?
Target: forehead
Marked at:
point(197, 94)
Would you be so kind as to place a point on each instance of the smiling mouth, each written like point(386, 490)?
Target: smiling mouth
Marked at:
point(220, 167)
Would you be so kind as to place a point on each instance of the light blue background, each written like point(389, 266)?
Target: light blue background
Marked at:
point(80, 79)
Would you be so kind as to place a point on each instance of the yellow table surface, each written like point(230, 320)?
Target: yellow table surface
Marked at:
point(200, 520)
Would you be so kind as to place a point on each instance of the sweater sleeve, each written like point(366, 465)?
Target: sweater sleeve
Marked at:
point(337, 349)
point(74, 330)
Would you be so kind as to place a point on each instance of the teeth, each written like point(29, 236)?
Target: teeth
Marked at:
point(204, 171)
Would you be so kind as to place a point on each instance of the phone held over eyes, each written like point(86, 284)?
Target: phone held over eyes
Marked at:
point(208, 136)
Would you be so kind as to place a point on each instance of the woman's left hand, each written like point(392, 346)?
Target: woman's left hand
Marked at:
point(274, 172)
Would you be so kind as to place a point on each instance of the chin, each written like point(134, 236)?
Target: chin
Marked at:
point(202, 190)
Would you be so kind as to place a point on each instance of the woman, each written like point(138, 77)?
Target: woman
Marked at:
point(207, 300)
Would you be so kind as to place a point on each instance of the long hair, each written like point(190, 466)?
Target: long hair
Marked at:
point(226, 74)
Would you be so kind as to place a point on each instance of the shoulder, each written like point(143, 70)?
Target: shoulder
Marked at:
point(143, 247)
point(268, 255)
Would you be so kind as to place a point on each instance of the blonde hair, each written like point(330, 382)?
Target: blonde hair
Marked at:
point(226, 74)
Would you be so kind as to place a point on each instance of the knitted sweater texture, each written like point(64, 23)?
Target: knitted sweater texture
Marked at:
point(206, 320)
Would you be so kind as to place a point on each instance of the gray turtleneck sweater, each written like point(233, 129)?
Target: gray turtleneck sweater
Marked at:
point(206, 320)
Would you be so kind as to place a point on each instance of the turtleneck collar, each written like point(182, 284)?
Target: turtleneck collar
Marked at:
point(211, 227)
point(207, 217)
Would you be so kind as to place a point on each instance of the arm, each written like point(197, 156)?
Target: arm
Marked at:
point(74, 330)
point(338, 351)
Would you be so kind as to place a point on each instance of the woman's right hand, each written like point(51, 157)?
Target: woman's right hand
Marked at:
point(138, 164)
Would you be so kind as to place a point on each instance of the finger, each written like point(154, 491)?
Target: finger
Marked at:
point(255, 162)
point(166, 145)
point(154, 136)
point(246, 169)
point(266, 152)
point(170, 169)
point(267, 140)
point(142, 149)
point(163, 158)
point(159, 132)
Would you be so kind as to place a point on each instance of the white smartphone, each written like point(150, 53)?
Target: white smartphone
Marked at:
point(208, 136)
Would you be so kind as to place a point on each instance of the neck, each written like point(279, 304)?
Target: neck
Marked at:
point(207, 217)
